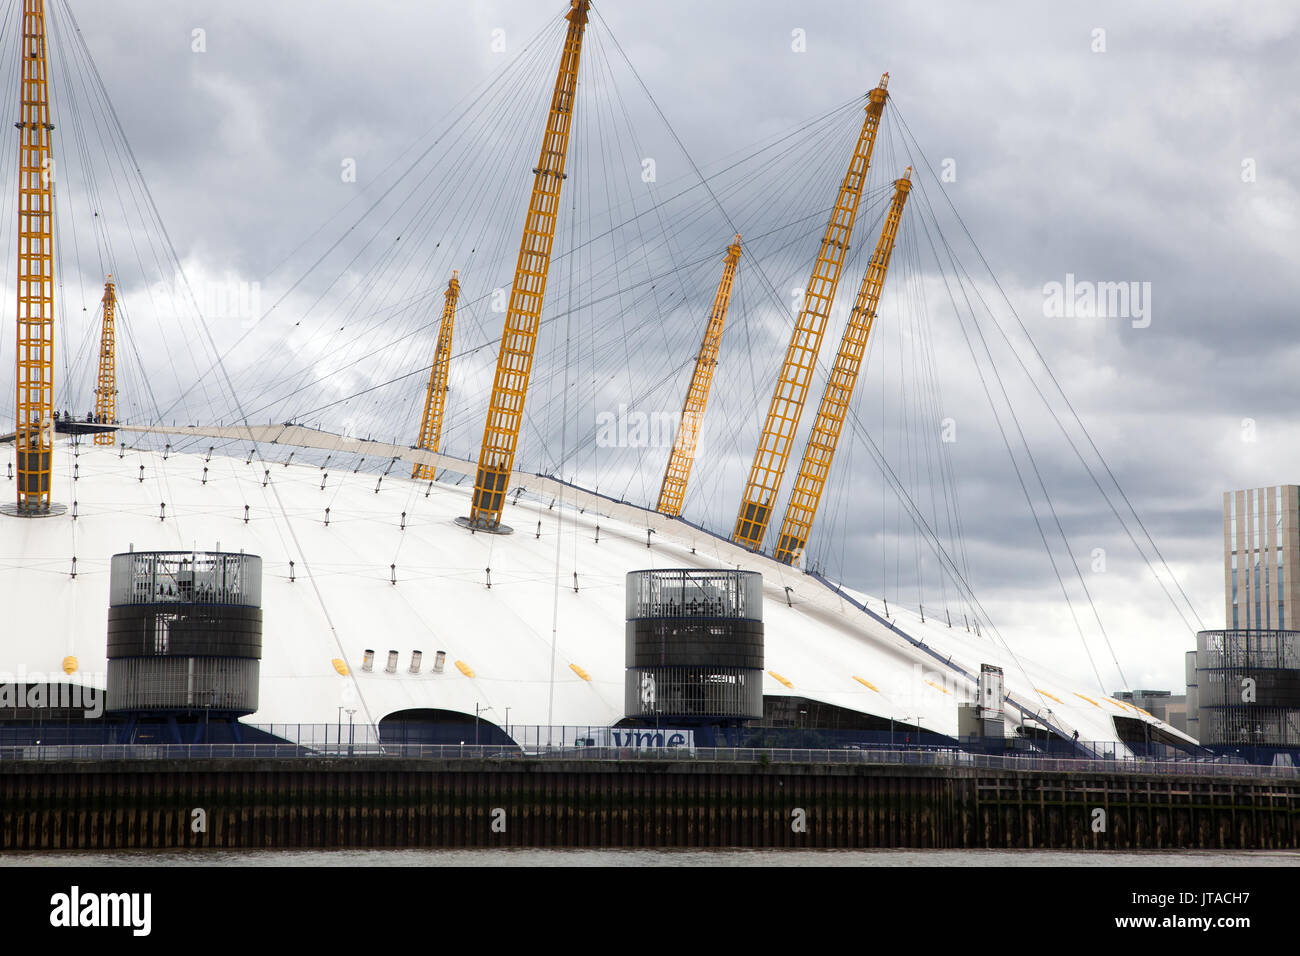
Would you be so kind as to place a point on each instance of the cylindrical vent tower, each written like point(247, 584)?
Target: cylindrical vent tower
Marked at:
point(694, 645)
point(1248, 684)
point(184, 632)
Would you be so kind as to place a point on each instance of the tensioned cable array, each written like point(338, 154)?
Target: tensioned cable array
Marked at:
point(359, 310)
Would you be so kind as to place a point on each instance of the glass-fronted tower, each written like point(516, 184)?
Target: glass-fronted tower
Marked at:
point(694, 646)
point(1261, 547)
point(184, 633)
point(1248, 688)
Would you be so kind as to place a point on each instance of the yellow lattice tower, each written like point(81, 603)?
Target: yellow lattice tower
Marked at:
point(436, 400)
point(768, 469)
point(817, 456)
point(673, 489)
point(106, 390)
point(519, 340)
point(34, 431)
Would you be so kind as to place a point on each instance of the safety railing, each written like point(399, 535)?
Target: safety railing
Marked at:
point(903, 757)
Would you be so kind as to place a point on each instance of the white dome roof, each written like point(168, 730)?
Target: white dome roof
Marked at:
point(341, 600)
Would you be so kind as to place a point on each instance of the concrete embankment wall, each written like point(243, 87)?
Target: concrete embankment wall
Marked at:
point(290, 803)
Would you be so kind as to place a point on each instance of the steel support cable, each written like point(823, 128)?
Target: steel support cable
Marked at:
point(916, 445)
point(79, 142)
point(941, 555)
point(959, 272)
point(672, 376)
point(658, 209)
point(112, 138)
point(906, 349)
point(590, 240)
point(69, 68)
point(59, 299)
point(219, 356)
point(692, 331)
point(77, 374)
point(726, 415)
point(1006, 439)
point(10, 32)
point(672, 132)
point(684, 331)
point(472, 303)
point(1028, 452)
point(956, 537)
point(1073, 414)
point(828, 172)
point(689, 359)
point(1078, 572)
point(702, 260)
point(143, 202)
point(90, 337)
point(931, 537)
point(394, 265)
point(921, 394)
point(74, 70)
point(473, 96)
point(927, 389)
point(1060, 529)
point(559, 513)
point(597, 61)
point(171, 250)
point(1114, 511)
point(948, 483)
point(755, 254)
point(391, 251)
point(392, 255)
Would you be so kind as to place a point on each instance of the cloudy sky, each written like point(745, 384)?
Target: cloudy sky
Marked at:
point(1150, 143)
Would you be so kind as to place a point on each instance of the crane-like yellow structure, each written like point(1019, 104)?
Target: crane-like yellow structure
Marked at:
point(106, 388)
point(817, 456)
point(34, 425)
point(519, 340)
point(673, 489)
point(435, 401)
point(768, 469)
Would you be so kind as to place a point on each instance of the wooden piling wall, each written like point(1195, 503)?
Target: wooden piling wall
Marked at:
point(298, 803)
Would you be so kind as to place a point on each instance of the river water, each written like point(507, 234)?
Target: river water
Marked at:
point(684, 858)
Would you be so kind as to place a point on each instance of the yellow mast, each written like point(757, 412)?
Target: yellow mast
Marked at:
point(678, 472)
point(519, 340)
point(434, 402)
point(768, 468)
point(817, 456)
point(106, 391)
point(34, 426)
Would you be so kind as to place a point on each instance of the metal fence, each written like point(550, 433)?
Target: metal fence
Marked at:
point(899, 756)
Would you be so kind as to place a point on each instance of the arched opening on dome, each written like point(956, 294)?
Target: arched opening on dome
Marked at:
point(1033, 730)
point(1150, 739)
point(430, 725)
